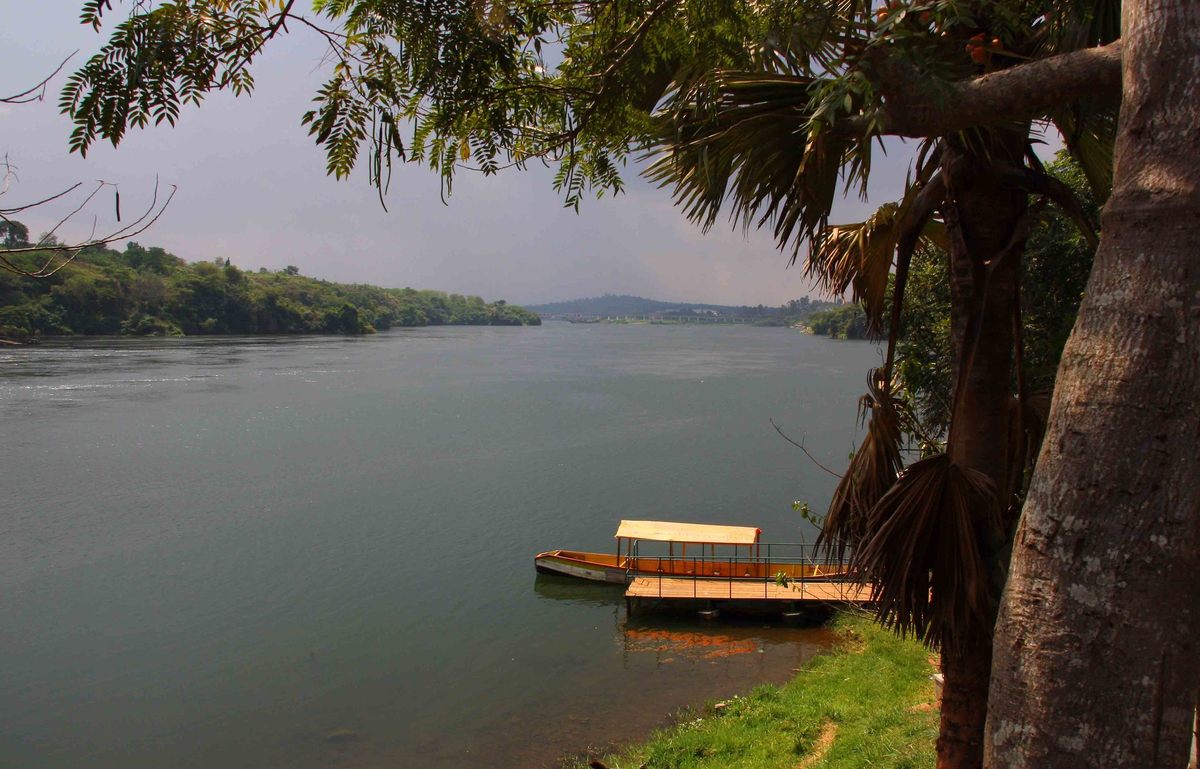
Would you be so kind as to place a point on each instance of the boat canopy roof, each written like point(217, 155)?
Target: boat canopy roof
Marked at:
point(701, 533)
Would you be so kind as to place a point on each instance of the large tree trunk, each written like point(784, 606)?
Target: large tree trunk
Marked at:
point(982, 214)
point(966, 673)
point(1096, 659)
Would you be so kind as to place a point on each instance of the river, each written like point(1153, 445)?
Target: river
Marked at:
point(317, 551)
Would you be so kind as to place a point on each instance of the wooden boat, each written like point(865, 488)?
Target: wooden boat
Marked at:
point(748, 563)
point(599, 567)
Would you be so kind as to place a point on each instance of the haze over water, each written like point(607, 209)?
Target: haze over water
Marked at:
point(314, 552)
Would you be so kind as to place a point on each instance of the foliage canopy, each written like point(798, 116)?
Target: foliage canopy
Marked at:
point(720, 90)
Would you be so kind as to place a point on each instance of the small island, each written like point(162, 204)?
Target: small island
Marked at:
point(150, 292)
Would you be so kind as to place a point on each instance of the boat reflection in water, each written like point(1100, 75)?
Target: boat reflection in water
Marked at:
point(680, 636)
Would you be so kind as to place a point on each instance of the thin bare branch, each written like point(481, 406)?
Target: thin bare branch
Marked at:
point(801, 446)
point(37, 92)
point(49, 236)
point(64, 254)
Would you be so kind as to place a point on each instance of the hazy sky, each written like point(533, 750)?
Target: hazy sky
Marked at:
point(252, 188)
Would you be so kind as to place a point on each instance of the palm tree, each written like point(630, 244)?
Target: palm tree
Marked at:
point(770, 143)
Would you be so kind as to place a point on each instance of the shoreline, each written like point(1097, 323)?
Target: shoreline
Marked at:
point(870, 700)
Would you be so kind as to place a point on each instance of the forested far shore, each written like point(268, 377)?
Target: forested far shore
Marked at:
point(150, 292)
point(848, 321)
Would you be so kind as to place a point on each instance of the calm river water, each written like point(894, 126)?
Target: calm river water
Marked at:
point(317, 552)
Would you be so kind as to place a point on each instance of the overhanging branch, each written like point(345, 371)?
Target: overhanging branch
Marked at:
point(1021, 92)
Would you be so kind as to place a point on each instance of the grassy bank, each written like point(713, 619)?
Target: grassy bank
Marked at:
point(869, 703)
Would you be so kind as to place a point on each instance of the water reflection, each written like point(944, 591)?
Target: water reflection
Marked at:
point(556, 588)
point(674, 635)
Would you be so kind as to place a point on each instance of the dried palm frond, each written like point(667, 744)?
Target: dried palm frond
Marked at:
point(872, 470)
point(859, 256)
point(874, 467)
point(924, 559)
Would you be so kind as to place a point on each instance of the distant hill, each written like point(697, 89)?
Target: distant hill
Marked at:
point(623, 305)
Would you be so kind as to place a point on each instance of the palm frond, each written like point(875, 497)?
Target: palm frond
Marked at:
point(761, 137)
point(1088, 127)
point(872, 471)
point(1089, 130)
point(924, 560)
point(1070, 25)
point(806, 38)
point(748, 140)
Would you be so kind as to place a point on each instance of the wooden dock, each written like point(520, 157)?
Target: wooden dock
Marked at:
point(753, 593)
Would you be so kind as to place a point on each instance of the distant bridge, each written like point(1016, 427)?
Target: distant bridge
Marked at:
point(653, 318)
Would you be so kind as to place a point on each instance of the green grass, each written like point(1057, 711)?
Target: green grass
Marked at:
point(872, 695)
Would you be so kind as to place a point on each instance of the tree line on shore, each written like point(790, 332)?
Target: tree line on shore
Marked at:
point(149, 292)
point(847, 321)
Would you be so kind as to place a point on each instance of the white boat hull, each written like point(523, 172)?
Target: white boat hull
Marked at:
point(551, 563)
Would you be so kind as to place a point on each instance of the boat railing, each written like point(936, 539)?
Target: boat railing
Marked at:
point(742, 569)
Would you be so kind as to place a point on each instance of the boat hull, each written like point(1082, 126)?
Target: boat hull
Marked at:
point(607, 567)
point(600, 567)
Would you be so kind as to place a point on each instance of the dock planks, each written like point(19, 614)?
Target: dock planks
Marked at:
point(683, 588)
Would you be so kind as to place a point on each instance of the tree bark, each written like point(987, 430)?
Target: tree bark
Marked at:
point(982, 213)
point(965, 671)
point(912, 108)
point(1096, 657)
